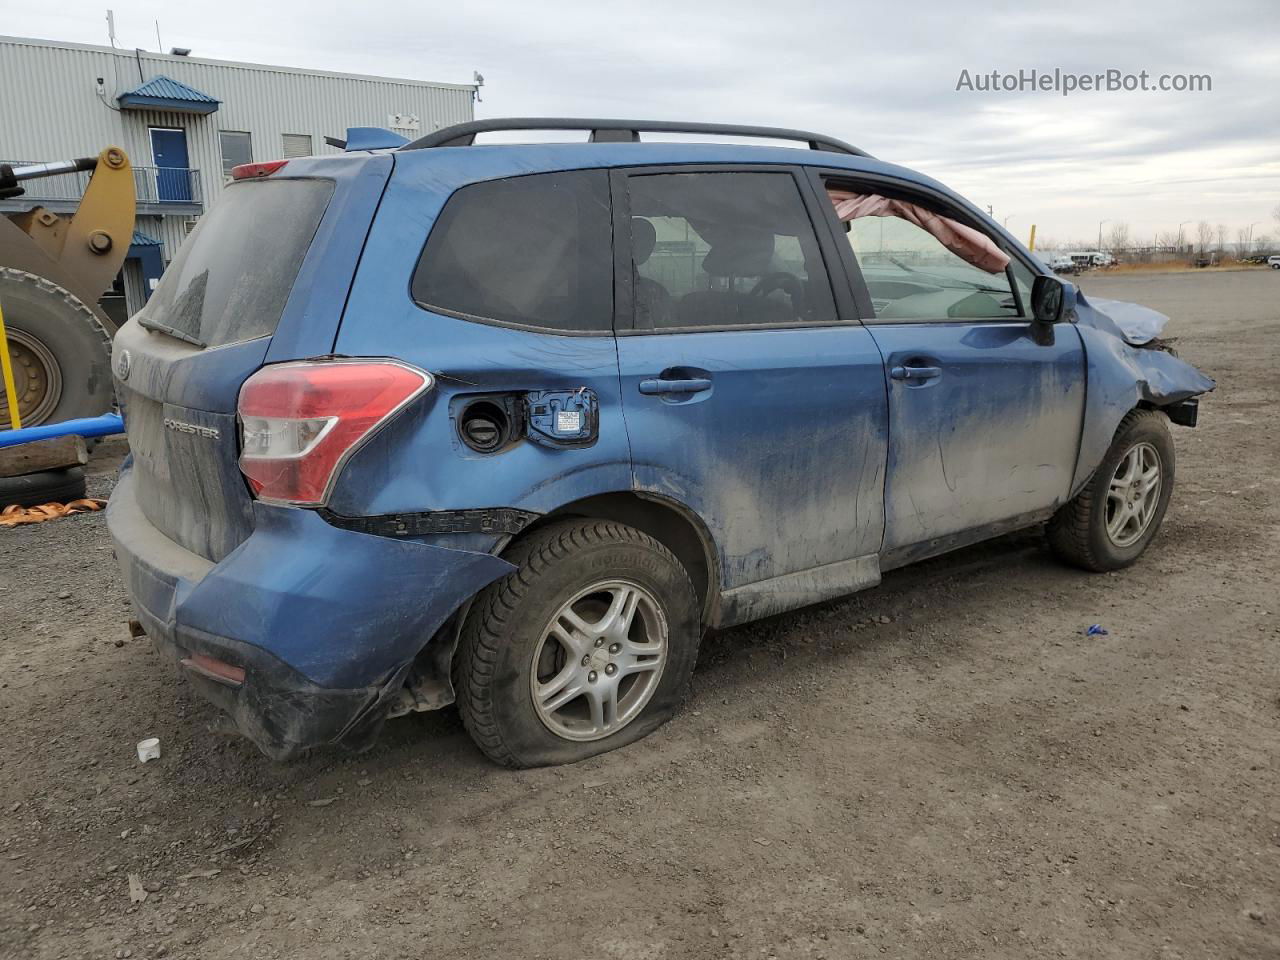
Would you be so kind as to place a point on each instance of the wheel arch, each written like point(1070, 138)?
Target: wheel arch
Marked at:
point(668, 521)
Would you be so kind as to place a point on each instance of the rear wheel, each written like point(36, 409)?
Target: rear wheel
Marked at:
point(1112, 520)
point(61, 352)
point(587, 646)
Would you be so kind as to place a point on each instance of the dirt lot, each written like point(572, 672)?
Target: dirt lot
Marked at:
point(941, 767)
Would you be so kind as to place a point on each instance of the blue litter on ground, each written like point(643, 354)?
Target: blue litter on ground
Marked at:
point(1097, 630)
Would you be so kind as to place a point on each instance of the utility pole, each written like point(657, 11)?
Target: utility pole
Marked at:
point(1100, 223)
point(1180, 226)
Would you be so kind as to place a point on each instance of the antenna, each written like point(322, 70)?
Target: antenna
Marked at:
point(159, 42)
point(111, 26)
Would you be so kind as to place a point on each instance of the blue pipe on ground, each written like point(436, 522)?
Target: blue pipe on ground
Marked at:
point(103, 426)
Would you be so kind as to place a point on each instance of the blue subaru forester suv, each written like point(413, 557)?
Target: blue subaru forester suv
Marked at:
point(514, 424)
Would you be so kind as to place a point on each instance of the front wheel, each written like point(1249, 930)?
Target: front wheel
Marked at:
point(589, 645)
point(1112, 520)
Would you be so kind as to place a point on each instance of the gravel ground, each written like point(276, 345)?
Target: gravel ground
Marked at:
point(941, 767)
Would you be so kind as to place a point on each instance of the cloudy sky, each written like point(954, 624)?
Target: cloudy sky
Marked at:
point(882, 76)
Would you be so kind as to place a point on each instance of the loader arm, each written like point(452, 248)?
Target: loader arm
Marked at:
point(52, 271)
point(83, 252)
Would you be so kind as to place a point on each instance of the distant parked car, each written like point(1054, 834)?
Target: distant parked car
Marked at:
point(1273, 263)
point(1063, 264)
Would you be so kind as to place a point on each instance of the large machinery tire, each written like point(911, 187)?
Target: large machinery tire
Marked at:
point(61, 351)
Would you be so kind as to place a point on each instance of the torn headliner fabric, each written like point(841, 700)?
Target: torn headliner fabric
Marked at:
point(972, 246)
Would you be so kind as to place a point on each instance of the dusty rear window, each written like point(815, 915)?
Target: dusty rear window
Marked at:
point(230, 280)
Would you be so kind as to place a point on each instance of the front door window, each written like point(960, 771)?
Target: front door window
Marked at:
point(920, 265)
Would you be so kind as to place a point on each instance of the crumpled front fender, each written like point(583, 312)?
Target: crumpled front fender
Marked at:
point(1120, 377)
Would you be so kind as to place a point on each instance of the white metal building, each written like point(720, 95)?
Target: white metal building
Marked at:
point(185, 121)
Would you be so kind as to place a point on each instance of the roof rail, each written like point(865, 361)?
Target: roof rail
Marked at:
point(623, 131)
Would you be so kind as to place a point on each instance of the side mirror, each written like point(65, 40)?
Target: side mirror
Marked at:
point(1047, 299)
point(1052, 301)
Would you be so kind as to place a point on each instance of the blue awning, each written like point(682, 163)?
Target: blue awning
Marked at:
point(165, 93)
point(140, 239)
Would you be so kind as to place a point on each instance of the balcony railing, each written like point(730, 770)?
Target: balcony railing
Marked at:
point(154, 185)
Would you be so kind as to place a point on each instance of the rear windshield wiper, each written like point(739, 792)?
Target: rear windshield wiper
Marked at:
point(162, 328)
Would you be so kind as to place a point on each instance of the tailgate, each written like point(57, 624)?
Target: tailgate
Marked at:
point(262, 278)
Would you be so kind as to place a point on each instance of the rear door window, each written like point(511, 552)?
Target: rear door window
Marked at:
point(230, 280)
point(724, 249)
point(533, 251)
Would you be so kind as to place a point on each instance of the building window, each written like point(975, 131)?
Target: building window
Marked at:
point(237, 148)
point(297, 145)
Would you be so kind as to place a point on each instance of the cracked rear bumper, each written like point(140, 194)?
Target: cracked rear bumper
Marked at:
point(325, 622)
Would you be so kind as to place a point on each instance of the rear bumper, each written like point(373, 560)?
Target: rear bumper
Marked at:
point(324, 621)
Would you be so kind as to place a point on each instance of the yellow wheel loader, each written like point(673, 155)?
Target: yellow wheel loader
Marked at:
point(53, 269)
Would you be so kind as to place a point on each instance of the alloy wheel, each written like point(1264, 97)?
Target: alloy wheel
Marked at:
point(599, 660)
point(1133, 495)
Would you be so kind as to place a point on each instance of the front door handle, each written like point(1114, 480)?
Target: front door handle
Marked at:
point(915, 373)
point(653, 386)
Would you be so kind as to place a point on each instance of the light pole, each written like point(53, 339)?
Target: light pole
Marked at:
point(1249, 242)
point(1005, 222)
point(1100, 223)
point(1180, 226)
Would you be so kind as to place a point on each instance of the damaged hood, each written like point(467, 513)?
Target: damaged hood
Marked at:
point(1133, 322)
point(1123, 329)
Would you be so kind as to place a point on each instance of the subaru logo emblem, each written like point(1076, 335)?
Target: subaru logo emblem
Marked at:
point(124, 363)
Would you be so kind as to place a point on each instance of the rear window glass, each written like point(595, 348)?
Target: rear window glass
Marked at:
point(230, 280)
point(535, 251)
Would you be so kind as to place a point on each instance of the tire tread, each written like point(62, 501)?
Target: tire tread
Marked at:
point(1068, 530)
point(486, 625)
point(74, 305)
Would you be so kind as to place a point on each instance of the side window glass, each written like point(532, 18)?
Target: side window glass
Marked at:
point(1023, 278)
point(724, 249)
point(920, 265)
point(535, 251)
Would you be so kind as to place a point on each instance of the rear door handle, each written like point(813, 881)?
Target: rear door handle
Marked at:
point(656, 385)
point(915, 373)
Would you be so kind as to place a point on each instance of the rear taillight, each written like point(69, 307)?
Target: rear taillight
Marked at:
point(252, 171)
point(302, 421)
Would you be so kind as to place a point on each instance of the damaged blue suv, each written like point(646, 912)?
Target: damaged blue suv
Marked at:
point(514, 424)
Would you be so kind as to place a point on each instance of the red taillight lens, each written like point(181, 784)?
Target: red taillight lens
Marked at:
point(302, 421)
point(251, 171)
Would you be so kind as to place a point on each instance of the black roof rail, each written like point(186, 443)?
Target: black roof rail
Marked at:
point(623, 131)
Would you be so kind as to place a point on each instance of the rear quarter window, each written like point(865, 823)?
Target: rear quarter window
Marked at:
point(231, 279)
point(533, 251)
